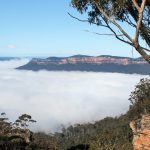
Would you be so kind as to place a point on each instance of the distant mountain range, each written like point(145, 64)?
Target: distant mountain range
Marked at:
point(104, 63)
point(7, 58)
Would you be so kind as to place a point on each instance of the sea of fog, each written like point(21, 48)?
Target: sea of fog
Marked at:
point(63, 98)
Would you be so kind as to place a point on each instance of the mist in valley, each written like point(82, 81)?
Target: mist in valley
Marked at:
point(54, 99)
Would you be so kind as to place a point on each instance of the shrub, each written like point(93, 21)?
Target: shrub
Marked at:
point(140, 99)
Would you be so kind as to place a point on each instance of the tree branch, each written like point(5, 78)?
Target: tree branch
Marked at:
point(143, 54)
point(111, 20)
point(136, 5)
point(139, 21)
point(77, 18)
point(106, 26)
point(122, 40)
point(134, 42)
point(128, 20)
point(84, 20)
point(145, 49)
point(103, 33)
point(138, 17)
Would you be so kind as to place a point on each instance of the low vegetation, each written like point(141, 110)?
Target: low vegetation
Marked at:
point(109, 133)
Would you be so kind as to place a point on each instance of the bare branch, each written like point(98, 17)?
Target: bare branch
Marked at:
point(103, 33)
point(128, 20)
point(106, 26)
point(122, 40)
point(84, 20)
point(77, 18)
point(145, 49)
point(111, 20)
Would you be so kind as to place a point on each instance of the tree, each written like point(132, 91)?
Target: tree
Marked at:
point(5, 125)
point(23, 121)
point(114, 14)
point(140, 100)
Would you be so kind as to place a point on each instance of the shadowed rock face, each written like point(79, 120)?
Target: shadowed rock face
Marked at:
point(141, 133)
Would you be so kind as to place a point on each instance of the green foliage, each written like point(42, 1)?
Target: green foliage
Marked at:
point(121, 10)
point(117, 9)
point(140, 99)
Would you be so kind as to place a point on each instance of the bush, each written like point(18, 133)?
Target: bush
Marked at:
point(140, 100)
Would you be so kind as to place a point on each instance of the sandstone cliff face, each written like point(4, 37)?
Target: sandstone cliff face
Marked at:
point(88, 59)
point(141, 133)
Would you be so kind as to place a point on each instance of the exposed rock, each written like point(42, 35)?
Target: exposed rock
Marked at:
point(16, 139)
point(141, 133)
point(88, 59)
point(25, 134)
point(102, 63)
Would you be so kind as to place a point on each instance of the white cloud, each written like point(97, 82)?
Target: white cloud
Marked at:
point(55, 98)
point(12, 46)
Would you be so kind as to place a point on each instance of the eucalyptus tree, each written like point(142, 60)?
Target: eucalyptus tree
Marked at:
point(115, 15)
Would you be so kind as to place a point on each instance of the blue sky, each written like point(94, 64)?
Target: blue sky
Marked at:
point(43, 28)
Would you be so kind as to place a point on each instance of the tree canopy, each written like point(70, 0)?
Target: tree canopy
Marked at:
point(140, 100)
point(114, 14)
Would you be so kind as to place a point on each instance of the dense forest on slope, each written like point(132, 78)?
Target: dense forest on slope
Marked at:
point(109, 133)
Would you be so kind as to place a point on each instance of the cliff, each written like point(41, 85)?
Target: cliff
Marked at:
point(141, 133)
point(88, 60)
point(90, 63)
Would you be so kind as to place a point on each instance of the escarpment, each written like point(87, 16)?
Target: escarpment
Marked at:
point(141, 133)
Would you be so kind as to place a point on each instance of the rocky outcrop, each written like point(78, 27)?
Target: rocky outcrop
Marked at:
point(141, 133)
point(24, 134)
point(88, 60)
point(111, 64)
point(16, 139)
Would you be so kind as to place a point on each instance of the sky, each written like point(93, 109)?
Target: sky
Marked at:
point(43, 28)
